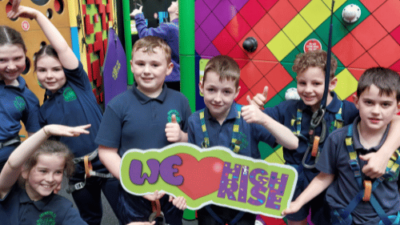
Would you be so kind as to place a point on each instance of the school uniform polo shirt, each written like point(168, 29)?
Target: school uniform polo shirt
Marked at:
point(52, 209)
point(221, 135)
point(16, 104)
point(335, 160)
point(169, 32)
point(286, 111)
point(74, 105)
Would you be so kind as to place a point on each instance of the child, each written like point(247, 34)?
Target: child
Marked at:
point(148, 116)
point(41, 165)
point(71, 102)
point(378, 96)
point(17, 102)
point(169, 32)
point(220, 86)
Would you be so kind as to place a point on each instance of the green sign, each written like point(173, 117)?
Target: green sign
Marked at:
point(210, 176)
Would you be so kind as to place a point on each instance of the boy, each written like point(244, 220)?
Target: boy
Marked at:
point(220, 87)
point(378, 96)
point(148, 116)
point(169, 32)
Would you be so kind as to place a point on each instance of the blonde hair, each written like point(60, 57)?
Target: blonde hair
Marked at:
point(149, 43)
point(225, 67)
point(315, 58)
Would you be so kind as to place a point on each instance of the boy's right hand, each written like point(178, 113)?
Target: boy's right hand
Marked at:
point(136, 11)
point(61, 130)
point(293, 208)
point(260, 99)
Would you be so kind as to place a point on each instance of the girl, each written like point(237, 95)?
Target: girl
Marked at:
point(41, 165)
point(71, 102)
point(17, 102)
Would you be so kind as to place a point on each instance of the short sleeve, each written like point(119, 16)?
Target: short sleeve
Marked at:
point(72, 217)
point(186, 114)
point(31, 114)
point(262, 134)
point(327, 160)
point(109, 133)
point(78, 77)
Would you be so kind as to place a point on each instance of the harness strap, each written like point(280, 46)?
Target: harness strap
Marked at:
point(13, 141)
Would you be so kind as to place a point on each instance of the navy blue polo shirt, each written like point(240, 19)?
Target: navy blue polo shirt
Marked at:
point(287, 110)
point(16, 104)
point(221, 135)
point(74, 105)
point(133, 120)
point(335, 160)
point(169, 32)
point(52, 209)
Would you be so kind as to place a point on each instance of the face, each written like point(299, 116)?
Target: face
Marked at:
point(311, 86)
point(50, 73)
point(150, 70)
point(173, 7)
point(218, 95)
point(12, 62)
point(376, 111)
point(45, 176)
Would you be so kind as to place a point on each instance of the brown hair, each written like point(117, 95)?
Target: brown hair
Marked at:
point(51, 147)
point(45, 50)
point(315, 58)
point(11, 36)
point(149, 43)
point(225, 67)
point(386, 80)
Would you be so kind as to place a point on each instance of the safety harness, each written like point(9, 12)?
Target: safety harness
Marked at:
point(89, 172)
point(367, 188)
point(235, 147)
point(15, 140)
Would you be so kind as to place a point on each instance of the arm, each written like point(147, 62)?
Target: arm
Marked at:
point(12, 169)
point(317, 185)
point(161, 31)
point(378, 161)
point(282, 134)
point(65, 53)
point(110, 159)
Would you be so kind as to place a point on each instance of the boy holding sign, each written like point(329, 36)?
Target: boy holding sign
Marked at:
point(225, 123)
point(148, 116)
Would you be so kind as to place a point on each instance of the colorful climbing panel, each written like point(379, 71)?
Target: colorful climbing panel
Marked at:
point(285, 28)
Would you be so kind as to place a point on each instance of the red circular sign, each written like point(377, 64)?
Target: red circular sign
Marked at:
point(25, 25)
point(312, 45)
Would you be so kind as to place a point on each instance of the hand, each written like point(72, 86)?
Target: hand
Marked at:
point(376, 164)
point(15, 4)
point(252, 114)
point(136, 11)
point(57, 189)
point(152, 197)
point(61, 130)
point(260, 99)
point(293, 208)
point(142, 223)
point(179, 202)
point(23, 11)
point(173, 130)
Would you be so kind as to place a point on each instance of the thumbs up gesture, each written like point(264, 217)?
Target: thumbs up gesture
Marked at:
point(173, 130)
point(251, 113)
point(260, 99)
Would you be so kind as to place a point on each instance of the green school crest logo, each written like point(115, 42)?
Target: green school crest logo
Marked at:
point(69, 94)
point(47, 218)
point(19, 103)
point(174, 111)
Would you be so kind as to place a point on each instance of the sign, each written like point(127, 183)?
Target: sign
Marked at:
point(25, 25)
point(210, 176)
point(312, 45)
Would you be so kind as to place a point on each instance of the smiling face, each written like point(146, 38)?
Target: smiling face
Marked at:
point(50, 73)
point(12, 62)
point(150, 70)
point(218, 95)
point(311, 86)
point(376, 111)
point(45, 176)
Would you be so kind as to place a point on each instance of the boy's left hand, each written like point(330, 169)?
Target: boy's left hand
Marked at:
point(173, 130)
point(136, 11)
point(252, 114)
point(376, 165)
point(179, 202)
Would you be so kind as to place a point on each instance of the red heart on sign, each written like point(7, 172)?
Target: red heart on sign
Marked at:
point(200, 178)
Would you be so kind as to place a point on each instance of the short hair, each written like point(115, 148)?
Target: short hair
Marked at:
point(386, 80)
point(225, 67)
point(45, 50)
point(11, 36)
point(51, 147)
point(149, 43)
point(315, 58)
